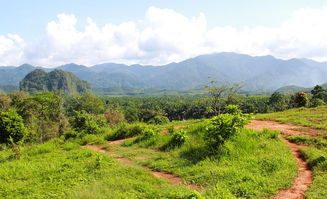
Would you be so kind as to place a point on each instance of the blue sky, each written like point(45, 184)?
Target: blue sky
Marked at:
point(29, 17)
point(88, 32)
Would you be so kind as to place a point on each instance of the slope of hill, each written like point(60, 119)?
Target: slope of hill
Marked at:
point(257, 73)
point(294, 89)
point(56, 80)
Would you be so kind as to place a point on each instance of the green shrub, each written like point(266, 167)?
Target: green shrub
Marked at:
point(222, 127)
point(130, 130)
point(159, 119)
point(87, 123)
point(178, 138)
point(233, 109)
point(11, 126)
point(70, 134)
point(91, 140)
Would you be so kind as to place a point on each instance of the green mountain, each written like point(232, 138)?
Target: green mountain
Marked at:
point(264, 73)
point(57, 81)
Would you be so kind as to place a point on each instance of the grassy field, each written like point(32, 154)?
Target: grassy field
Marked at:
point(64, 170)
point(251, 165)
point(310, 117)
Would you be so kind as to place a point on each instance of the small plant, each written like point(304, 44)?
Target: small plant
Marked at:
point(222, 127)
point(179, 137)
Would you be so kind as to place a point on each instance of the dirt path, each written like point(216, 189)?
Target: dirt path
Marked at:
point(304, 178)
point(159, 174)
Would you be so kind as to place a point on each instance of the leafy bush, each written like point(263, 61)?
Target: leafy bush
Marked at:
point(11, 126)
point(178, 138)
point(222, 127)
point(87, 123)
point(91, 139)
point(300, 99)
point(130, 130)
point(114, 117)
point(159, 119)
point(233, 109)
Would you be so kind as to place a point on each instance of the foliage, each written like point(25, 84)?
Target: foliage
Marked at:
point(319, 92)
point(87, 102)
point(126, 130)
point(178, 138)
point(278, 102)
point(11, 126)
point(300, 99)
point(56, 81)
point(222, 127)
point(114, 117)
point(87, 123)
point(217, 94)
point(159, 119)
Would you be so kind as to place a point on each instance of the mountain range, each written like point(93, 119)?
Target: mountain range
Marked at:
point(256, 73)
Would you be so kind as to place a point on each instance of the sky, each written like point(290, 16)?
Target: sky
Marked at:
point(157, 32)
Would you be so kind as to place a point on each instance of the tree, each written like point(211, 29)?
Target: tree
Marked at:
point(319, 93)
point(11, 126)
point(300, 99)
point(219, 95)
point(278, 102)
point(47, 111)
point(87, 102)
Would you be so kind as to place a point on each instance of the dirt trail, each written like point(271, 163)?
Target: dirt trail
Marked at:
point(159, 174)
point(304, 178)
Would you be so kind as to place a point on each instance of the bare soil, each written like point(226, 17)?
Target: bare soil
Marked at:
point(304, 179)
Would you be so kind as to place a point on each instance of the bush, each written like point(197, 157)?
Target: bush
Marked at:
point(300, 99)
point(87, 123)
point(222, 127)
point(178, 138)
point(92, 140)
point(233, 109)
point(130, 130)
point(159, 119)
point(11, 126)
point(114, 117)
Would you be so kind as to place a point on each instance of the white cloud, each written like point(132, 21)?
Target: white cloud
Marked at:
point(165, 36)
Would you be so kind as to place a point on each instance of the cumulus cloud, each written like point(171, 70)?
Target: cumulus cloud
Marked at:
point(164, 36)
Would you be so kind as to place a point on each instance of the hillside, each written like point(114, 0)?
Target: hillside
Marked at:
point(257, 73)
point(294, 89)
point(56, 80)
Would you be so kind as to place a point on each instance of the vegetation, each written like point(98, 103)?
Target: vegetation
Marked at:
point(56, 81)
point(317, 159)
point(310, 117)
point(250, 164)
point(47, 129)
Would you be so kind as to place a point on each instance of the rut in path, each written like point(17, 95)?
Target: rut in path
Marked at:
point(159, 174)
point(304, 179)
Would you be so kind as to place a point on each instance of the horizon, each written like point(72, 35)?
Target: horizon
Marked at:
point(53, 67)
point(158, 32)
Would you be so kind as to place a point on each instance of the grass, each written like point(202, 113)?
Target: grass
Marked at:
point(64, 170)
point(309, 117)
point(308, 140)
point(317, 159)
point(251, 165)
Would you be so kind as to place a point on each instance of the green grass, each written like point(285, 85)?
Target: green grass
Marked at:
point(308, 140)
point(64, 170)
point(251, 165)
point(317, 159)
point(309, 117)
